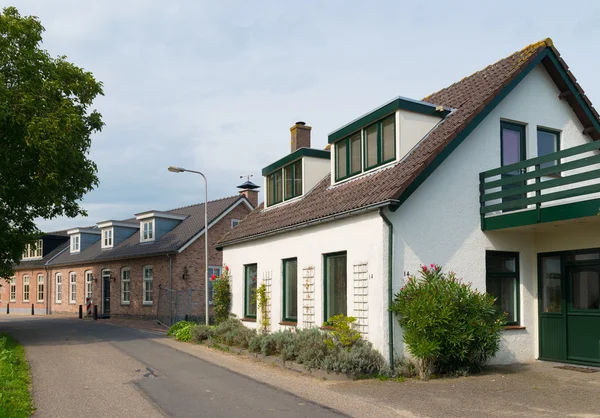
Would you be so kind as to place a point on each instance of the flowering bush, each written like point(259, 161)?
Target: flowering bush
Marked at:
point(221, 295)
point(447, 325)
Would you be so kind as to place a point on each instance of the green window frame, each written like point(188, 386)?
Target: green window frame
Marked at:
point(381, 131)
point(290, 290)
point(346, 163)
point(275, 187)
point(292, 180)
point(335, 284)
point(250, 279)
point(503, 282)
point(545, 132)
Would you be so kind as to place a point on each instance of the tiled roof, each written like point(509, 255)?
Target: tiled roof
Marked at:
point(168, 243)
point(467, 98)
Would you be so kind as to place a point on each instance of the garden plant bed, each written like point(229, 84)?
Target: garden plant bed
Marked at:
point(276, 361)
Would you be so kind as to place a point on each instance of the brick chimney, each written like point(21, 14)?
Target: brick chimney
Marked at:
point(249, 190)
point(300, 136)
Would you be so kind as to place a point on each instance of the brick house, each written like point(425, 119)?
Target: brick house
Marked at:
point(121, 266)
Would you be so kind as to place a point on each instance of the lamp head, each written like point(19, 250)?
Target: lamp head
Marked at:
point(174, 169)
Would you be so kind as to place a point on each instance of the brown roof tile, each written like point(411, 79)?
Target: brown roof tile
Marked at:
point(467, 98)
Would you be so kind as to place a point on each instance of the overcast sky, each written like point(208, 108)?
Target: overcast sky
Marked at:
point(215, 85)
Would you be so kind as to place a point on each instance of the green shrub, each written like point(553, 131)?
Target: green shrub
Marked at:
point(221, 296)
point(185, 334)
point(179, 325)
point(447, 325)
point(200, 333)
point(233, 332)
point(343, 331)
point(359, 360)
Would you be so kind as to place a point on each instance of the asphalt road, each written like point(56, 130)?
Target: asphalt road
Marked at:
point(82, 368)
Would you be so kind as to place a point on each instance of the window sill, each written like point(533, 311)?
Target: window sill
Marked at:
point(72, 303)
point(248, 319)
point(58, 303)
point(514, 327)
point(125, 303)
point(289, 323)
point(147, 304)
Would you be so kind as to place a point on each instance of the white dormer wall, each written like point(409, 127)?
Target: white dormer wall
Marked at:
point(411, 128)
point(162, 222)
point(119, 232)
point(85, 238)
point(313, 171)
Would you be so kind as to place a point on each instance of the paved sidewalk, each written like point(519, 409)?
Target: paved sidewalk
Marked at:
point(144, 325)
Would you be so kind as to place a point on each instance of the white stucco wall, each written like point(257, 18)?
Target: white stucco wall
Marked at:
point(360, 236)
point(413, 127)
point(313, 171)
point(440, 222)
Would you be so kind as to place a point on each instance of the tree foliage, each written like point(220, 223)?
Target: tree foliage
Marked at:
point(46, 126)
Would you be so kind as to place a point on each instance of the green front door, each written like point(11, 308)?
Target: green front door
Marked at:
point(569, 296)
point(583, 314)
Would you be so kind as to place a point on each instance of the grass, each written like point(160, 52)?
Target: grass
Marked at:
point(15, 380)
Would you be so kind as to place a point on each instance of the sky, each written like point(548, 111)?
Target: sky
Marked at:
point(214, 86)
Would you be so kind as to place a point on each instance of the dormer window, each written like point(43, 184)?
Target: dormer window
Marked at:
point(275, 188)
point(107, 238)
point(33, 250)
point(285, 183)
point(378, 146)
point(148, 230)
point(75, 243)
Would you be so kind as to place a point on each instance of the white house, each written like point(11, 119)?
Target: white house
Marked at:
point(495, 177)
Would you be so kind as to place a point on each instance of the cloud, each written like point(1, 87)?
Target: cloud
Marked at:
point(215, 86)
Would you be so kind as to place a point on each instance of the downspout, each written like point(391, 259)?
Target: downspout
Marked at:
point(48, 287)
point(390, 289)
point(170, 271)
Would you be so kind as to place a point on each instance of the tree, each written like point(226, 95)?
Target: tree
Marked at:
point(45, 135)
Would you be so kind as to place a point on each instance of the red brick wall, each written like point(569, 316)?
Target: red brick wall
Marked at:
point(19, 306)
point(192, 258)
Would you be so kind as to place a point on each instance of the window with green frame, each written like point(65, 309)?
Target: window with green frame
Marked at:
point(275, 187)
point(335, 283)
point(250, 278)
point(290, 290)
point(548, 141)
point(293, 180)
point(502, 282)
point(347, 152)
point(380, 142)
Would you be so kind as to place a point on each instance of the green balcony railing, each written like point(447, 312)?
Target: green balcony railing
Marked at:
point(531, 191)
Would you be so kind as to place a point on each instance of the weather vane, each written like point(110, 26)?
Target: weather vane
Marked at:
point(247, 176)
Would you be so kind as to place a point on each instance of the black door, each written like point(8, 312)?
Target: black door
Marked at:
point(106, 294)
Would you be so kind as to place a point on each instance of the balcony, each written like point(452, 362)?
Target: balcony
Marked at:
point(555, 187)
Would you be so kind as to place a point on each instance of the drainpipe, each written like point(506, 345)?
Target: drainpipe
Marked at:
point(48, 287)
point(390, 289)
point(170, 271)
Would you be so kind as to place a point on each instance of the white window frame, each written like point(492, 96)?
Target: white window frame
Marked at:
point(72, 287)
point(75, 243)
point(40, 291)
point(12, 295)
point(125, 279)
point(89, 280)
point(236, 221)
point(151, 231)
point(26, 282)
point(147, 280)
point(59, 287)
point(34, 254)
point(107, 237)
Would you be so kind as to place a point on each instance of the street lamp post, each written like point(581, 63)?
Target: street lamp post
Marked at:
point(181, 170)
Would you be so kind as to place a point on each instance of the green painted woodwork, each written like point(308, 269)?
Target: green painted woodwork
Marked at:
point(569, 334)
point(250, 283)
point(292, 263)
point(520, 189)
point(383, 111)
point(296, 155)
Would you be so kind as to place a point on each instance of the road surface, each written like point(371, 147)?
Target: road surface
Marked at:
point(84, 368)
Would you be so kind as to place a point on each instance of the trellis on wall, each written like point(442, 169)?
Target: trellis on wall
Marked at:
point(308, 297)
point(361, 296)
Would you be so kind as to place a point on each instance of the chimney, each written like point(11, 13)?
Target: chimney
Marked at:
point(250, 192)
point(300, 136)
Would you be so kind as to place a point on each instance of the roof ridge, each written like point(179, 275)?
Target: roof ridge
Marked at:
point(546, 42)
point(200, 204)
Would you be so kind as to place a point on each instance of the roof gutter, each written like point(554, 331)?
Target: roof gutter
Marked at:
point(325, 219)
